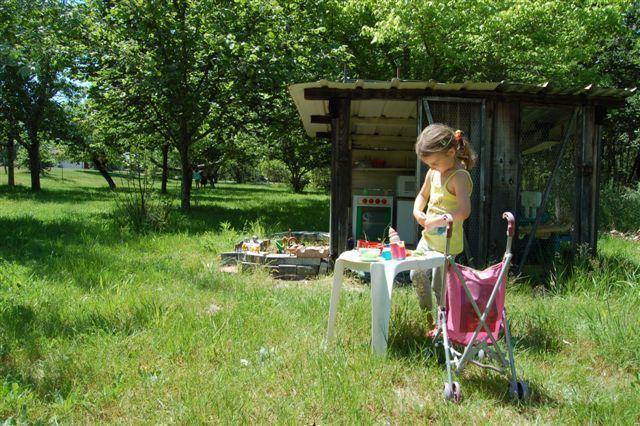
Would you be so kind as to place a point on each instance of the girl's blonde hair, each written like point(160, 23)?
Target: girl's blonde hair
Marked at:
point(440, 137)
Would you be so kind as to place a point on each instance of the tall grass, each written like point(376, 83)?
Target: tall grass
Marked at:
point(619, 207)
point(102, 325)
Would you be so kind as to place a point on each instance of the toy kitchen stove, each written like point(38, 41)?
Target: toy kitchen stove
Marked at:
point(372, 216)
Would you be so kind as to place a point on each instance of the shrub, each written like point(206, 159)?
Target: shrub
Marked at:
point(274, 171)
point(320, 178)
point(138, 207)
point(619, 207)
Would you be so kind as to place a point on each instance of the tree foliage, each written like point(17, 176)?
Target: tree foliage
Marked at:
point(205, 81)
point(521, 40)
point(38, 57)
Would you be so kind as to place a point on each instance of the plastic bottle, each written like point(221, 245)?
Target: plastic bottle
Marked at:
point(397, 246)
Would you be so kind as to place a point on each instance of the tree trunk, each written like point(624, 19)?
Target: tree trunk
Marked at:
point(165, 168)
point(635, 169)
point(215, 173)
point(297, 183)
point(100, 166)
point(34, 161)
point(11, 158)
point(187, 175)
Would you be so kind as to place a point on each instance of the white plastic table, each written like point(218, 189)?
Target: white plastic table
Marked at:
point(383, 273)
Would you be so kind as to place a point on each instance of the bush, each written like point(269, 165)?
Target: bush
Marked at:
point(619, 207)
point(274, 171)
point(238, 172)
point(138, 207)
point(321, 178)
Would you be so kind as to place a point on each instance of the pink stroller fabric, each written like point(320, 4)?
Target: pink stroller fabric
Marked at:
point(462, 319)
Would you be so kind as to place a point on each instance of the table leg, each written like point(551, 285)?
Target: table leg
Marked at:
point(338, 271)
point(380, 309)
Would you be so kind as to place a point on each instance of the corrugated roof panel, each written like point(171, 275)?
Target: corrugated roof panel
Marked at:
point(373, 108)
point(482, 87)
point(398, 109)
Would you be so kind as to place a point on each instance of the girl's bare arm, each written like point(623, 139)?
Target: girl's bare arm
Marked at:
point(422, 199)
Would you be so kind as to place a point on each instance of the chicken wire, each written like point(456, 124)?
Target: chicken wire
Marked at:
point(465, 116)
point(543, 130)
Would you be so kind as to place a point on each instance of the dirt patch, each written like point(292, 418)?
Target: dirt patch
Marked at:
point(633, 236)
point(231, 269)
point(213, 309)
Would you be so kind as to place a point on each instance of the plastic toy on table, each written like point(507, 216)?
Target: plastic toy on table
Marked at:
point(398, 250)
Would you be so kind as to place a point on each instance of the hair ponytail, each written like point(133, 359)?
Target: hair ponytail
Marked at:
point(464, 152)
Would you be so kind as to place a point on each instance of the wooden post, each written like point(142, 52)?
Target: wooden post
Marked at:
point(504, 173)
point(597, 175)
point(587, 179)
point(486, 155)
point(340, 111)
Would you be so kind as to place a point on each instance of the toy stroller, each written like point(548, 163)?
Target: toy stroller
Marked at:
point(471, 315)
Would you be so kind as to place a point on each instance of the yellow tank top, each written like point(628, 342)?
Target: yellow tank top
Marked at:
point(441, 201)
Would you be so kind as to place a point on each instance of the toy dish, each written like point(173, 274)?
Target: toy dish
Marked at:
point(369, 254)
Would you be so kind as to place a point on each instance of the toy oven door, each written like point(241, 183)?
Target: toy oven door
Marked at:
point(373, 222)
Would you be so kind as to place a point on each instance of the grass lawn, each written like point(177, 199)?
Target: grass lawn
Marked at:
point(102, 325)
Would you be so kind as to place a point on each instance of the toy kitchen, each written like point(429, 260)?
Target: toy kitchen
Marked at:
point(383, 190)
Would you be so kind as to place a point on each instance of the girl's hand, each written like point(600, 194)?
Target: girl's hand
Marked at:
point(435, 222)
point(421, 217)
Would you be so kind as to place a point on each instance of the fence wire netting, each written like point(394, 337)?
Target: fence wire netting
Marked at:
point(466, 116)
point(548, 142)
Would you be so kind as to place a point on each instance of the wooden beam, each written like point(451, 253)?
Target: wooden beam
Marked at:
point(340, 110)
point(486, 155)
point(384, 121)
point(383, 138)
point(504, 173)
point(321, 119)
point(360, 94)
point(587, 179)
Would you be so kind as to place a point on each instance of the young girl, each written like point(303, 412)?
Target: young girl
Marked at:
point(447, 189)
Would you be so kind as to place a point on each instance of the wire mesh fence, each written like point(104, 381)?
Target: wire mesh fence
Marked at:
point(466, 116)
point(548, 155)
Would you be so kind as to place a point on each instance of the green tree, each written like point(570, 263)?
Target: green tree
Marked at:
point(164, 64)
point(8, 149)
point(620, 63)
point(37, 60)
point(521, 40)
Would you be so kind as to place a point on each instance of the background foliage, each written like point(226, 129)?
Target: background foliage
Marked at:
point(205, 82)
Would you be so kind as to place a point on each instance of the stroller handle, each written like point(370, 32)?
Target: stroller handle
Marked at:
point(511, 220)
point(449, 220)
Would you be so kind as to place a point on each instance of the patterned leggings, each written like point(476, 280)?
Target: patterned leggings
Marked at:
point(426, 280)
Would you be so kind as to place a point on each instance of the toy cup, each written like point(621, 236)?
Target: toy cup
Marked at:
point(398, 251)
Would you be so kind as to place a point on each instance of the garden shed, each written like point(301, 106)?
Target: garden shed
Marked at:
point(538, 147)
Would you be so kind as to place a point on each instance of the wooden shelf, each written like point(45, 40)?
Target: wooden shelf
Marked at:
point(382, 169)
point(382, 149)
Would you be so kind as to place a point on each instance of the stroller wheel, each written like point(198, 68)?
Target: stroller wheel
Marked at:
point(452, 392)
point(519, 390)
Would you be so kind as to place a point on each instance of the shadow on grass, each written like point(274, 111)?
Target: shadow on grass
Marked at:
point(60, 250)
point(578, 272)
point(274, 215)
point(73, 194)
point(28, 332)
point(497, 385)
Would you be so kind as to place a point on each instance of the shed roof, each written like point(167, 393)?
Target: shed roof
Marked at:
point(394, 100)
